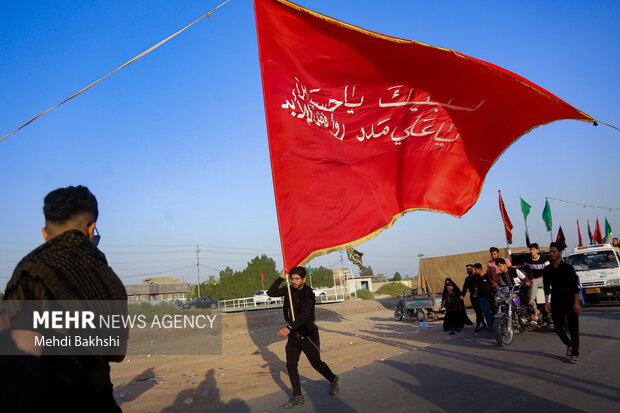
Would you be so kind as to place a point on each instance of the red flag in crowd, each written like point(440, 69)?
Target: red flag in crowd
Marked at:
point(364, 127)
point(579, 233)
point(507, 224)
point(598, 235)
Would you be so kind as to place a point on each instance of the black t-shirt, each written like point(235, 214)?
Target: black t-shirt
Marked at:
point(485, 288)
point(562, 283)
point(470, 284)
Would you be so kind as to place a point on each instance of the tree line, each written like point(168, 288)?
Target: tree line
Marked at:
point(244, 283)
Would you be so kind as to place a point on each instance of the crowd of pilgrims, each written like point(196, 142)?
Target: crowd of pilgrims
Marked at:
point(482, 286)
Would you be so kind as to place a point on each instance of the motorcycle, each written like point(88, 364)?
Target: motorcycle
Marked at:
point(512, 316)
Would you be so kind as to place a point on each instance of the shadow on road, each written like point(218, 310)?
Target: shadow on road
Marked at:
point(436, 384)
point(137, 386)
point(206, 397)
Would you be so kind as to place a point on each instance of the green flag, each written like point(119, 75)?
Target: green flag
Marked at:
point(546, 216)
point(607, 230)
point(525, 208)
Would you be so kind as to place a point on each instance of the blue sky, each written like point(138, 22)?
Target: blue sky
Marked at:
point(174, 146)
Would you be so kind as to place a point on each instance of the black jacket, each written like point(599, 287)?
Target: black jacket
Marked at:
point(303, 304)
point(562, 283)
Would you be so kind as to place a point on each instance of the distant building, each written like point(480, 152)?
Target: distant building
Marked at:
point(158, 289)
point(161, 280)
point(362, 282)
point(343, 278)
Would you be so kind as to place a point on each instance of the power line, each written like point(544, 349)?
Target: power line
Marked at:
point(149, 261)
point(584, 205)
point(158, 272)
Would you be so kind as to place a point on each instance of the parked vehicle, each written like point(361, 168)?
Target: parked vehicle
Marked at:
point(598, 268)
point(201, 302)
point(260, 297)
point(512, 316)
point(320, 294)
point(421, 306)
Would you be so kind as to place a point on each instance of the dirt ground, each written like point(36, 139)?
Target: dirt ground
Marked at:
point(353, 334)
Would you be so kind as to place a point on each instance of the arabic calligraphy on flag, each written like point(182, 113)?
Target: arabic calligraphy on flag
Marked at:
point(401, 111)
point(364, 127)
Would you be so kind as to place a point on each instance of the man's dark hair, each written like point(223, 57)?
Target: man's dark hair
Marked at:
point(556, 245)
point(63, 204)
point(469, 265)
point(534, 245)
point(493, 249)
point(500, 261)
point(478, 266)
point(301, 271)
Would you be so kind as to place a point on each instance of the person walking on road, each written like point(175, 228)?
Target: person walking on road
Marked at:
point(562, 284)
point(456, 316)
point(484, 291)
point(470, 285)
point(302, 333)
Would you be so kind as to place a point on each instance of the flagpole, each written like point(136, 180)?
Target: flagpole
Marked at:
point(350, 268)
point(525, 214)
point(527, 231)
point(290, 297)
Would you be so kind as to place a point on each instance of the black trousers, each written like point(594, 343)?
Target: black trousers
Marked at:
point(479, 316)
point(294, 347)
point(563, 319)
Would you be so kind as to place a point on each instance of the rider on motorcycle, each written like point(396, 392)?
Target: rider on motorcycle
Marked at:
point(509, 277)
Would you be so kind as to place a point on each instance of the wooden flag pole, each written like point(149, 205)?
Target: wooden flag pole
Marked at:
point(290, 297)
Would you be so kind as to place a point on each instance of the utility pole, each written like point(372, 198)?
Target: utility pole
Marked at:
point(198, 268)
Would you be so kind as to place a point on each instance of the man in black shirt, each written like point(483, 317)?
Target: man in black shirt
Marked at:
point(68, 266)
point(302, 332)
point(562, 283)
point(470, 285)
point(484, 292)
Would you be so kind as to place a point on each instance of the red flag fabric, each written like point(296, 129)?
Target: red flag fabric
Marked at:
point(598, 234)
point(364, 127)
point(507, 224)
point(262, 275)
point(579, 234)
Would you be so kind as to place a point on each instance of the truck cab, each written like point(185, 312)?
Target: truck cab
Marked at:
point(598, 268)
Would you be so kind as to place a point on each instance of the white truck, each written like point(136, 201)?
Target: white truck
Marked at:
point(598, 268)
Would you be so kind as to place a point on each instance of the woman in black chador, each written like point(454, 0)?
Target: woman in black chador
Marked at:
point(451, 300)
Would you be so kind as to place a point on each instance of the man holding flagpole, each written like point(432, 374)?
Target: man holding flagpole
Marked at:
point(302, 332)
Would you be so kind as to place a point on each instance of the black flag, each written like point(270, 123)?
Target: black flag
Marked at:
point(560, 239)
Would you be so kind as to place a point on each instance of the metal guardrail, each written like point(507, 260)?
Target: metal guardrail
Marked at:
point(332, 295)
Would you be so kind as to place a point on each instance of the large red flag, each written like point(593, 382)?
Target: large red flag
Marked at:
point(598, 234)
point(365, 127)
point(507, 224)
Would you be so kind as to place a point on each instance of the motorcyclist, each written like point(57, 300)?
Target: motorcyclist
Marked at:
point(509, 277)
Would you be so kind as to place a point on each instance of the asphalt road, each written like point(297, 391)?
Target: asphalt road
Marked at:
point(468, 372)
